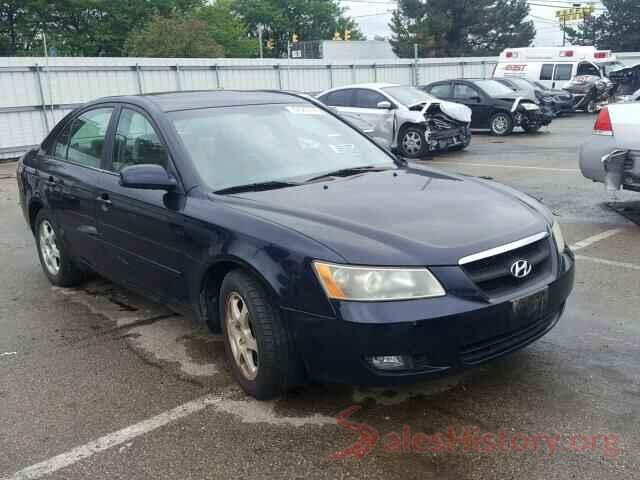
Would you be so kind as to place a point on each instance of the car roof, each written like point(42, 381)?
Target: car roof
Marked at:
point(190, 100)
point(366, 85)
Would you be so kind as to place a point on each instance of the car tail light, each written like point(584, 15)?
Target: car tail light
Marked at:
point(601, 55)
point(603, 124)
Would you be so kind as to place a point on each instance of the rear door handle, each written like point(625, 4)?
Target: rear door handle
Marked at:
point(105, 201)
point(51, 180)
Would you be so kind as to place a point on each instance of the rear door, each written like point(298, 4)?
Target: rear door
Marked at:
point(546, 75)
point(71, 170)
point(562, 74)
point(140, 230)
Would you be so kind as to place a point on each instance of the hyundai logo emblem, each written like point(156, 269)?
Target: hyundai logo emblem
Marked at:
point(521, 269)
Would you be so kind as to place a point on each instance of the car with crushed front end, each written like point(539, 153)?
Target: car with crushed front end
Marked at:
point(404, 118)
point(554, 102)
point(315, 251)
point(495, 106)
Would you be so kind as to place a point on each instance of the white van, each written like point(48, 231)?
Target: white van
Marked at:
point(553, 67)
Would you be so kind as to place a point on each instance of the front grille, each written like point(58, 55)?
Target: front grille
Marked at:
point(475, 353)
point(493, 275)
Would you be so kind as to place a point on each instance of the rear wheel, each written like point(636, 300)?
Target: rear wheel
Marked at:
point(501, 124)
point(412, 142)
point(258, 347)
point(54, 256)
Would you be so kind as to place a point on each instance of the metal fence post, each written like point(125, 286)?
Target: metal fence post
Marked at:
point(178, 79)
point(330, 75)
point(484, 69)
point(375, 73)
point(353, 73)
point(461, 69)
point(217, 74)
point(279, 71)
point(139, 78)
point(43, 101)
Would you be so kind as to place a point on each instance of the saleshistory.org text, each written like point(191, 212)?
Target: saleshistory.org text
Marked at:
point(471, 440)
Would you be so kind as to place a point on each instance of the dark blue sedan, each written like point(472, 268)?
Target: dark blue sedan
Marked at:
point(315, 251)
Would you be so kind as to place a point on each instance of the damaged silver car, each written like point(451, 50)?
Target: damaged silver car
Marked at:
point(404, 118)
point(612, 156)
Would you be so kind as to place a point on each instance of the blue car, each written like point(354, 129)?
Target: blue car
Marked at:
point(316, 252)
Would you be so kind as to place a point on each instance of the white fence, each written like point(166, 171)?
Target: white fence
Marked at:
point(35, 93)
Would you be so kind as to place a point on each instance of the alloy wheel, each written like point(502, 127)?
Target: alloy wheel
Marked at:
point(500, 124)
point(241, 336)
point(49, 248)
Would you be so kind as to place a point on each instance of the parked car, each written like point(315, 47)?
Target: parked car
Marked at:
point(405, 119)
point(495, 106)
point(315, 251)
point(627, 83)
point(591, 92)
point(554, 102)
point(612, 155)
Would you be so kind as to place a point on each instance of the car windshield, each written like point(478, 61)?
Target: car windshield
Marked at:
point(609, 67)
point(243, 145)
point(493, 88)
point(523, 84)
point(408, 95)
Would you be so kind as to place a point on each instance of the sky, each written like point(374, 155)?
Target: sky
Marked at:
point(373, 17)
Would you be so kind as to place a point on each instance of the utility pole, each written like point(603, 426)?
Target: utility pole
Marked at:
point(260, 28)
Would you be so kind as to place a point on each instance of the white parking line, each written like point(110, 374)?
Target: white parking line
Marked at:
point(611, 263)
point(587, 242)
point(494, 165)
point(111, 440)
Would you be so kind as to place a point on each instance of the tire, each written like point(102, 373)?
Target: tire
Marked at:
point(249, 319)
point(592, 107)
point(501, 124)
point(412, 142)
point(55, 258)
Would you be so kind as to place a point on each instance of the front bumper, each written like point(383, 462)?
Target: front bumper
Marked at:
point(440, 140)
point(440, 336)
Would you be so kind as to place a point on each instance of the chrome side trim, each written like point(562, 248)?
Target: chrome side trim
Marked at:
point(503, 249)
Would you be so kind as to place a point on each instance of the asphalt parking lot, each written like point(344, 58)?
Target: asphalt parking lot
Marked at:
point(97, 383)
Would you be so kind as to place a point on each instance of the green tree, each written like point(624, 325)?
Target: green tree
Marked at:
point(454, 28)
point(173, 37)
point(309, 19)
point(19, 27)
point(227, 29)
point(617, 28)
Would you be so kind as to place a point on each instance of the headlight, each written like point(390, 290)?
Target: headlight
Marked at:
point(557, 236)
point(369, 284)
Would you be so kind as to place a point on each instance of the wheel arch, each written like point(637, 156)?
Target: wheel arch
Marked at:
point(35, 205)
point(210, 283)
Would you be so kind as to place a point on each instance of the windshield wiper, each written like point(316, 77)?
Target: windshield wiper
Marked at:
point(345, 172)
point(255, 187)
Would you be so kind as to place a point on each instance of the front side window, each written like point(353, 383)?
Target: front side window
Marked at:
point(368, 98)
point(87, 138)
point(242, 145)
point(588, 68)
point(464, 92)
point(136, 142)
point(563, 72)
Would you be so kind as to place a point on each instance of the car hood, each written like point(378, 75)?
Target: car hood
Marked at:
point(410, 216)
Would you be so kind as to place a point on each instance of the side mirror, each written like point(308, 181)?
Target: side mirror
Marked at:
point(384, 105)
point(147, 177)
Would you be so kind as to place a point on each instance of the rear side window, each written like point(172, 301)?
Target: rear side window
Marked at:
point(136, 142)
point(441, 91)
point(87, 137)
point(464, 92)
point(340, 98)
point(368, 98)
point(563, 72)
point(547, 71)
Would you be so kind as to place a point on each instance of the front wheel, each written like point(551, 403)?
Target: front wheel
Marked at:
point(258, 348)
point(412, 142)
point(592, 107)
point(501, 124)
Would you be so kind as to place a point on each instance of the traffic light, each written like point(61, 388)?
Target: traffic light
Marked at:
point(336, 36)
point(294, 38)
point(347, 34)
point(270, 44)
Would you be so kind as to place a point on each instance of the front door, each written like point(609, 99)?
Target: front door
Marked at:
point(476, 101)
point(364, 105)
point(139, 229)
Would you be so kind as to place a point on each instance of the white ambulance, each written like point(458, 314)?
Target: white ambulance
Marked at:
point(554, 67)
